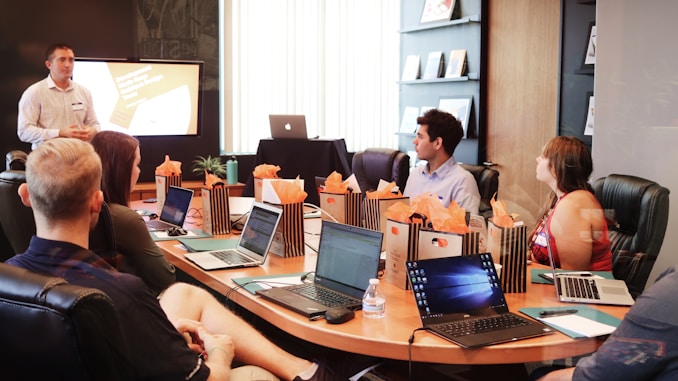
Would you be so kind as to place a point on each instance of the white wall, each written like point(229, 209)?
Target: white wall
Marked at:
point(636, 91)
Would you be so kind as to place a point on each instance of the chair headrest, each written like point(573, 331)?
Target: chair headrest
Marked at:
point(16, 160)
point(13, 176)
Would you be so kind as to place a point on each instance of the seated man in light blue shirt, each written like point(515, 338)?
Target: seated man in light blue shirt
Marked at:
point(438, 135)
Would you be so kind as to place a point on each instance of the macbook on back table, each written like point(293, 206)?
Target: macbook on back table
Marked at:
point(288, 126)
point(253, 245)
point(588, 289)
point(174, 211)
point(348, 256)
point(460, 299)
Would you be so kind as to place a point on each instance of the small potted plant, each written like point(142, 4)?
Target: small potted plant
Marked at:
point(210, 164)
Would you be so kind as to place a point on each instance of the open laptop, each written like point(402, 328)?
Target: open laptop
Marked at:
point(288, 126)
point(588, 289)
point(348, 256)
point(174, 211)
point(460, 298)
point(253, 244)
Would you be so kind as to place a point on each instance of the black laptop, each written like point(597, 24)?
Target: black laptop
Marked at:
point(348, 256)
point(460, 299)
point(174, 210)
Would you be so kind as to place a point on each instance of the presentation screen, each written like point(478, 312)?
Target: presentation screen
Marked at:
point(145, 97)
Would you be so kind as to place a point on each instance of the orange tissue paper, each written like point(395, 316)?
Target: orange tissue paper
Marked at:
point(500, 217)
point(266, 171)
point(451, 219)
point(168, 167)
point(334, 184)
point(289, 192)
point(384, 193)
point(212, 180)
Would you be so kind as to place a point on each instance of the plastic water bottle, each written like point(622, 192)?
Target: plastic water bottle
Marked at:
point(374, 302)
point(232, 171)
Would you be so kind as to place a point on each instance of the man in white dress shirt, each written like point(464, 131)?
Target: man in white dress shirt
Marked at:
point(56, 106)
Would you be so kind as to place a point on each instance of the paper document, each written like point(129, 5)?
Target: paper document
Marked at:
point(579, 324)
point(284, 280)
point(254, 283)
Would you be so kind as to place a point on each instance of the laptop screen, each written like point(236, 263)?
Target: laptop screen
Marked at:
point(177, 202)
point(463, 285)
point(259, 229)
point(348, 256)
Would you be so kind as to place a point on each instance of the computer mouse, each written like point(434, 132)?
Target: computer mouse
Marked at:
point(338, 315)
point(176, 232)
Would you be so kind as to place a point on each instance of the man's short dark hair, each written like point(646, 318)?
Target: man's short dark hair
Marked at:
point(50, 49)
point(444, 125)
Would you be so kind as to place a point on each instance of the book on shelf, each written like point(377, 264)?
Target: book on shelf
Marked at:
point(456, 67)
point(434, 65)
point(412, 70)
point(409, 123)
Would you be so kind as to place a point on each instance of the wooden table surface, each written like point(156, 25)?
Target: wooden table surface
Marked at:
point(388, 337)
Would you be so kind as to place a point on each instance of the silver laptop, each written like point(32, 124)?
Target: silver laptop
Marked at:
point(348, 256)
point(174, 211)
point(288, 126)
point(576, 288)
point(253, 244)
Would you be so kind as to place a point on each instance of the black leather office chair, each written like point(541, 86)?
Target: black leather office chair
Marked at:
point(373, 164)
point(16, 220)
point(488, 185)
point(52, 330)
point(18, 226)
point(640, 214)
point(16, 160)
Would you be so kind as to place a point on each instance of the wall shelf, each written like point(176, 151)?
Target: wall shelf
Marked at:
point(468, 77)
point(587, 71)
point(576, 82)
point(460, 21)
point(467, 32)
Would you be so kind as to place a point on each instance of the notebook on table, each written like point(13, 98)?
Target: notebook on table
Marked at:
point(460, 299)
point(348, 256)
point(174, 211)
point(288, 126)
point(253, 244)
point(575, 288)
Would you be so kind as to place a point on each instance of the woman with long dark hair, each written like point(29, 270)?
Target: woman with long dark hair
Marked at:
point(573, 219)
point(137, 253)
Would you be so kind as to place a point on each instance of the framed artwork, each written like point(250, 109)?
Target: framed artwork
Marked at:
point(590, 52)
point(588, 127)
point(459, 106)
point(437, 10)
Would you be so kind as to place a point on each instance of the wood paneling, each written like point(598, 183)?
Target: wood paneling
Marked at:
point(522, 92)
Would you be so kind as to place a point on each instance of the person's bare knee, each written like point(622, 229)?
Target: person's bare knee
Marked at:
point(182, 300)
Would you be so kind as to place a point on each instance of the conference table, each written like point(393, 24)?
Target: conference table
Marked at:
point(387, 337)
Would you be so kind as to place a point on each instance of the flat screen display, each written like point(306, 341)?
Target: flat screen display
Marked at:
point(145, 97)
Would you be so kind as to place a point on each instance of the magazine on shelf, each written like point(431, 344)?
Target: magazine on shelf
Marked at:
point(409, 122)
point(412, 70)
point(434, 65)
point(457, 64)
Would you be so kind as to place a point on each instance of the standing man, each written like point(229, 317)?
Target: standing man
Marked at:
point(56, 106)
point(438, 135)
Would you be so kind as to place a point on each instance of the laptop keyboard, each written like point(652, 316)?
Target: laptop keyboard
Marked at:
point(159, 225)
point(231, 257)
point(581, 288)
point(323, 296)
point(484, 324)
